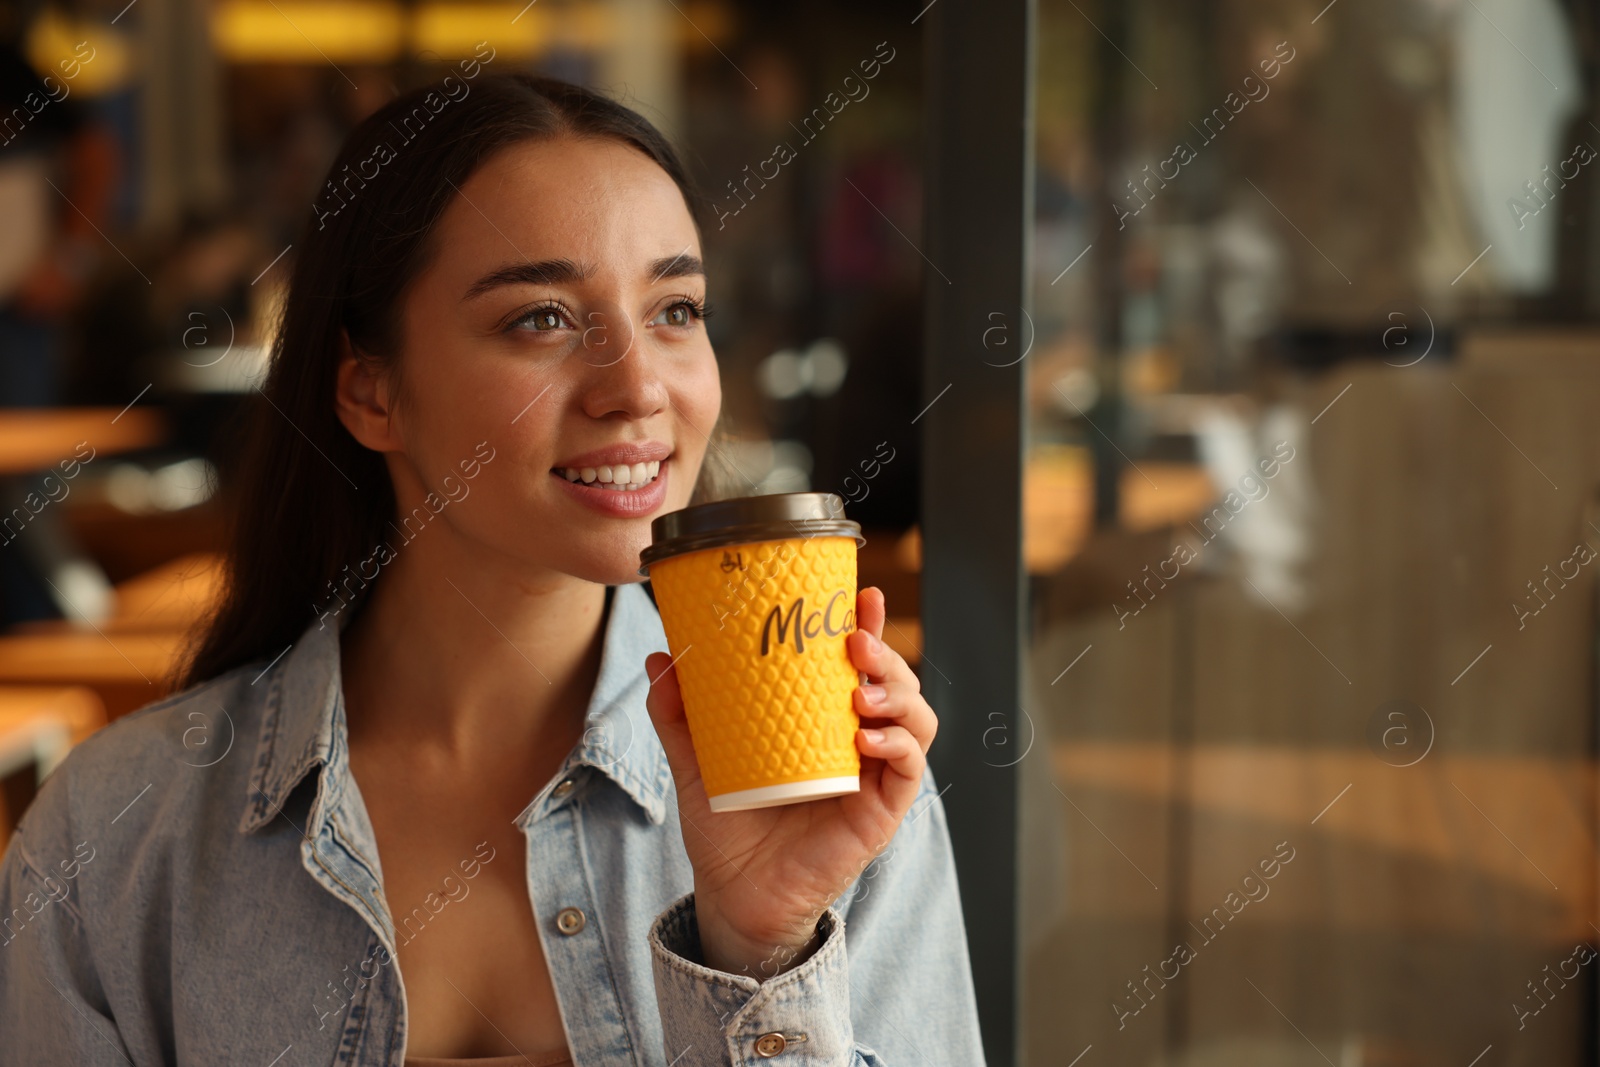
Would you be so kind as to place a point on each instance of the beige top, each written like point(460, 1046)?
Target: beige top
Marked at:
point(554, 1058)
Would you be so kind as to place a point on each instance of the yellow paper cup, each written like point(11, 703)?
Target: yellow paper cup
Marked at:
point(757, 596)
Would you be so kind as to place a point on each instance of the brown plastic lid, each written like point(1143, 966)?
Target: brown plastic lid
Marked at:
point(747, 519)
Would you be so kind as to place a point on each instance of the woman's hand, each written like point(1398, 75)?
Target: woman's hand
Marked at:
point(763, 878)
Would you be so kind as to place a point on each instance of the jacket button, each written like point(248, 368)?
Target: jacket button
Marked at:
point(566, 786)
point(570, 920)
point(769, 1045)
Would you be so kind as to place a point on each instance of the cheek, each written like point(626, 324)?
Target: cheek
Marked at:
point(443, 427)
point(465, 385)
point(456, 419)
point(694, 395)
point(702, 393)
point(498, 401)
point(698, 398)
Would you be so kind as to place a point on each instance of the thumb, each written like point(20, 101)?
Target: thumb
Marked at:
point(665, 704)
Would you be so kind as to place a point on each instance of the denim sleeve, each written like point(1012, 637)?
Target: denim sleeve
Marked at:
point(711, 1017)
point(52, 1009)
point(897, 991)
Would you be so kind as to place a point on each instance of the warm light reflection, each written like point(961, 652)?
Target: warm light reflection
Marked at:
point(247, 31)
point(372, 31)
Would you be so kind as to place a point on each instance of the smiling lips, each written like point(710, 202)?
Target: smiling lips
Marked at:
point(619, 468)
point(625, 499)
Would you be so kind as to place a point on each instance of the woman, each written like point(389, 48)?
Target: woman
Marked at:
point(427, 794)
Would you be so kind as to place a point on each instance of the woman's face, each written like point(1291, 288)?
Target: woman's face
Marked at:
point(557, 332)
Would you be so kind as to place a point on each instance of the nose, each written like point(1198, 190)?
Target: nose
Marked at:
point(608, 338)
point(621, 377)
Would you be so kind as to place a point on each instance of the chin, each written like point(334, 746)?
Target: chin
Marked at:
point(624, 571)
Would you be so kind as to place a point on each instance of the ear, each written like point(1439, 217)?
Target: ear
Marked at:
point(361, 397)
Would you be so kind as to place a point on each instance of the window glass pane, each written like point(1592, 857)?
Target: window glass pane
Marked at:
point(1310, 514)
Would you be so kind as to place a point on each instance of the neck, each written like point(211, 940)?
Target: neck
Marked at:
point(472, 657)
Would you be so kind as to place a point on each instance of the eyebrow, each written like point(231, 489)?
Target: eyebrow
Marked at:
point(566, 272)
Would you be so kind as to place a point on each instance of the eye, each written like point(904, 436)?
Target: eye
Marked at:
point(683, 313)
point(541, 319)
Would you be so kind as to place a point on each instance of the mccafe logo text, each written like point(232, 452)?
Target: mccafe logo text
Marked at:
point(833, 619)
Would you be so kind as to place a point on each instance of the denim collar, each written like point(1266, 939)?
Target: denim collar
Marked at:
point(303, 725)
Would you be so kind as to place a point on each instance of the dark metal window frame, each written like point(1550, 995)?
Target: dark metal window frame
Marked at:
point(979, 78)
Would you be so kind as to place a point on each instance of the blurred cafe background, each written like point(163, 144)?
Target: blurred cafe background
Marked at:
point(1217, 383)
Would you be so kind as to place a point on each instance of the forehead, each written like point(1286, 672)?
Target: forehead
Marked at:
point(594, 200)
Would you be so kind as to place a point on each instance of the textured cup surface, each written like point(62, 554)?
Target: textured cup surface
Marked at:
point(757, 631)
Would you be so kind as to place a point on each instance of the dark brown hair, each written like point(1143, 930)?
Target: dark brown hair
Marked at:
point(310, 502)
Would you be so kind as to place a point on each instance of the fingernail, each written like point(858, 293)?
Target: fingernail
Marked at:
point(875, 694)
point(875, 736)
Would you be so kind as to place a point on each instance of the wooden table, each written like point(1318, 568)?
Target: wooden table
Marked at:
point(126, 670)
point(128, 659)
point(170, 597)
point(32, 439)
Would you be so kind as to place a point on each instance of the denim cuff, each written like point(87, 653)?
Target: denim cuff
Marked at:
point(800, 1017)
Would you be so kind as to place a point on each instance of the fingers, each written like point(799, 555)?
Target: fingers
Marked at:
point(664, 702)
point(663, 691)
point(904, 762)
point(871, 611)
point(878, 661)
point(867, 650)
point(900, 704)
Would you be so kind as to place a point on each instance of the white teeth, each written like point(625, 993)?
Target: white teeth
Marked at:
point(618, 478)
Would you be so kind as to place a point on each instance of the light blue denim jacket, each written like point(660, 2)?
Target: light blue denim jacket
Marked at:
point(198, 883)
